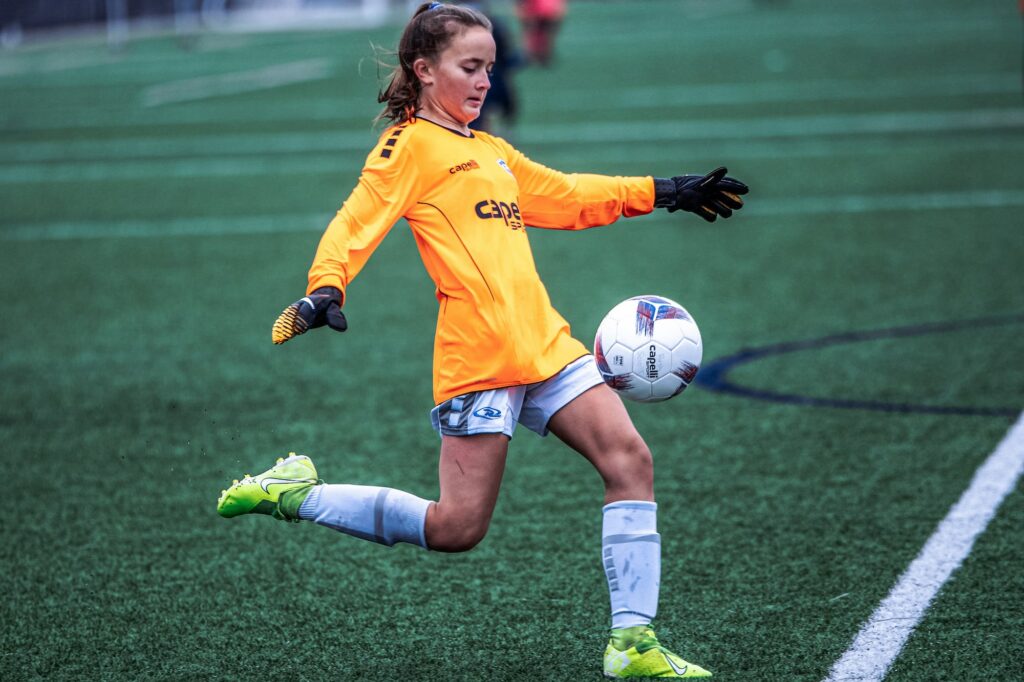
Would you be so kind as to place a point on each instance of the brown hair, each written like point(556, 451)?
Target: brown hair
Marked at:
point(427, 34)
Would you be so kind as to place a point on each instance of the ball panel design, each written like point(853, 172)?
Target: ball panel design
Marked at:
point(602, 364)
point(667, 387)
point(626, 333)
point(670, 332)
point(686, 372)
point(648, 348)
point(686, 357)
point(619, 359)
point(652, 361)
point(623, 383)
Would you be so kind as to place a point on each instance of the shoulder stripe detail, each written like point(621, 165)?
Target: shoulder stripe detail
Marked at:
point(390, 142)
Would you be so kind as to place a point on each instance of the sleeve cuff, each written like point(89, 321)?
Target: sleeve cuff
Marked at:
point(327, 281)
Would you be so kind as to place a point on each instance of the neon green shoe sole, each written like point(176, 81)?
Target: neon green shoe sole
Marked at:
point(644, 657)
point(262, 494)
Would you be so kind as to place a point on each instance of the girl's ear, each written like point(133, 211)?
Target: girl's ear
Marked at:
point(423, 70)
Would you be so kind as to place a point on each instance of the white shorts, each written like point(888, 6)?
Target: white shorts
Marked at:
point(532, 405)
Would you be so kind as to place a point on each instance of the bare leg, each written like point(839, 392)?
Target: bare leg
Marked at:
point(597, 426)
point(470, 472)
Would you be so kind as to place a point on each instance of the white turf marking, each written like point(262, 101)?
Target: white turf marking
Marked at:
point(882, 638)
point(350, 164)
point(602, 132)
point(832, 90)
point(214, 226)
point(53, 63)
point(866, 27)
point(331, 106)
point(219, 85)
point(886, 123)
point(879, 203)
point(177, 227)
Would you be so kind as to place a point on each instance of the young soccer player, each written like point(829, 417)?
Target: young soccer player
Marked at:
point(502, 356)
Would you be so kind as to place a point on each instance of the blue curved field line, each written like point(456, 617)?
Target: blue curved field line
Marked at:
point(714, 376)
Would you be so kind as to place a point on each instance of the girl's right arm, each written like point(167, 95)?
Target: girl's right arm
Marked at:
point(386, 190)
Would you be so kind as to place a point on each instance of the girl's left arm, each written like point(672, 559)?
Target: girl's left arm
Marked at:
point(575, 201)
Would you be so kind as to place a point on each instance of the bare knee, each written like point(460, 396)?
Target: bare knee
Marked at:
point(454, 532)
point(628, 471)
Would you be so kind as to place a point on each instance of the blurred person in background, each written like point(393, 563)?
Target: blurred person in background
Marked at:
point(541, 20)
point(501, 107)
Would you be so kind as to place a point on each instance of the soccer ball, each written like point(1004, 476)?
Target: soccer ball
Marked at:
point(648, 348)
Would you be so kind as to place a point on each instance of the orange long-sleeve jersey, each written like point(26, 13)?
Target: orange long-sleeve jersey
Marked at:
point(468, 201)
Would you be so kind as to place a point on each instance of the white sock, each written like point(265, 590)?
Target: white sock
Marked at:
point(631, 549)
point(383, 515)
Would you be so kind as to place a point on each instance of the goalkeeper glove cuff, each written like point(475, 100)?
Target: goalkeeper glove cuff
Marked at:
point(321, 307)
point(709, 196)
point(664, 193)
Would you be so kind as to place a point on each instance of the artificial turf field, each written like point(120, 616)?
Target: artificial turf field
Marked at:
point(159, 206)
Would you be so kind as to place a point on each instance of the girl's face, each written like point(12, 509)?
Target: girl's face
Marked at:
point(455, 85)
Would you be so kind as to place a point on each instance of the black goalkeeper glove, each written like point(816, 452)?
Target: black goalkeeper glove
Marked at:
point(321, 307)
point(709, 196)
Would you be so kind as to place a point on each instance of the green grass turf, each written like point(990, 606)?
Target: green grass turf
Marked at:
point(139, 377)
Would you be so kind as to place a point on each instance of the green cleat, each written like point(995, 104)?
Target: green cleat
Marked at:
point(278, 491)
point(636, 652)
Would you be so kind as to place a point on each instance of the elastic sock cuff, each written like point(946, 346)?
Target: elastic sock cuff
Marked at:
point(628, 620)
point(631, 504)
point(307, 510)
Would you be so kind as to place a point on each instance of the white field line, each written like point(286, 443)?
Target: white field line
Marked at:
point(781, 127)
point(335, 106)
point(316, 222)
point(786, 127)
point(205, 87)
point(869, 29)
point(175, 227)
point(131, 67)
point(880, 203)
point(881, 639)
point(892, 27)
point(655, 156)
point(188, 146)
point(227, 167)
point(764, 91)
point(56, 62)
point(350, 163)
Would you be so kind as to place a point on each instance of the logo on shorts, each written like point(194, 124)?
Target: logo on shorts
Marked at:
point(487, 413)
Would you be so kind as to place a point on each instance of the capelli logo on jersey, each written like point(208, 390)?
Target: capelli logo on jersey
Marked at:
point(509, 212)
point(467, 166)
